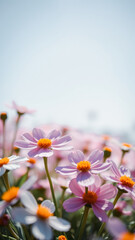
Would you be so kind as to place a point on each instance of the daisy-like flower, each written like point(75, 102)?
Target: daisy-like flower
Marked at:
point(20, 109)
point(41, 216)
point(10, 163)
point(12, 195)
point(118, 230)
point(84, 168)
point(122, 177)
point(96, 197)
point(42, 145)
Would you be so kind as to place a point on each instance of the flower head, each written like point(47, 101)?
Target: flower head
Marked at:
point(123, 179)
point(84, 168)
point(41, 216)
point(10, 163)
point(96, 197)
point(20, 109)
point(42, 145)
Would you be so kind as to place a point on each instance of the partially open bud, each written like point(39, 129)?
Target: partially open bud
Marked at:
point(107, 152)
point(62, 237)
point(3, 116)
point(16, 150)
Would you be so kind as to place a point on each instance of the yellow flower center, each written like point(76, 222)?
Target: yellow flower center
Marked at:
point(43, 212)
point(44, 143)
point(4, 161)
point(127, 181)
point(9, 195)
point(127, 236)
point(62, 237)
point(83, 166)
point(90, 197)
point(126, 145)
point(107, 149)
point(32, 160)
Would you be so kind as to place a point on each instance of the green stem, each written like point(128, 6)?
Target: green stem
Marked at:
point(122, 156)
point(15, 133)
point(110, 212)
point(83, 223)
point(51, 186)
point(3, 138)
point(13, 232)
point(62, 200)
point(5, 178)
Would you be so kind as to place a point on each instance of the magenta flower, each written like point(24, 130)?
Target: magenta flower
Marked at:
point(123, 179)
point(96, 197)
point(84, 168)
point(20, 109)
point(42, 145)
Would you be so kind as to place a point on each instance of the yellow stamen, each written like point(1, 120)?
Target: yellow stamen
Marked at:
point(43, 212)
point(127, 236)
point(62, 237)
point(4, 161)
point(10, 194)
point(32, 160)
point(107, 149)
point(83, 166)
point(44, 143)
point(127, 181)
point(90, 197)
point(126, 145)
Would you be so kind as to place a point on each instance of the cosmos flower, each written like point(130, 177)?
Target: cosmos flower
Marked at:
point(118, 230)
point(42, 145)
point(10, 163)
point(84, 168)
point(20, 109)
point(123, 179)
point(40, 216)
point(12, 195)
point(96, 197)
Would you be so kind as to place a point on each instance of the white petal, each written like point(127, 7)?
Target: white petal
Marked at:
point(59, 224)
point(29, 183)
point(11, 166)
point(2, 171)
point(49, 204)
point(42, 231)
point(23, 216)
point(20, 159)
point(28, 201)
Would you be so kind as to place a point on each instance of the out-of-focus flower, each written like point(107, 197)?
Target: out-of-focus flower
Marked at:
point(123, 179)
point(10, 163)
point(41, 216)
point(84, 168)
point(4, 220)
point(12, 195)
point(3, 116)
point(96, 197)
point(120, 209)
point(118, 230)
point(62, 237)
point(20, 109)
point(42, 145)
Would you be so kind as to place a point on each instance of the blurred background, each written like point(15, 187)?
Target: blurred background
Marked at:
point(72, 61)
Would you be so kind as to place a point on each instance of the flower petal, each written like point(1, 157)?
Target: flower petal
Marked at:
point(116, 227)
point(100, 214)
point(85, 179)
point(29, 183)
point(107, 191)
point(95, 156)
point(33, 152)
point(29, 137)
point(100, 168)
point(28, 201)
point(11, 166)
point(124, 171)
point(23, 216)
point(48, 204)
point(2, 171)
point(67, 170)
point(61, 141)
point(76, 156)
point(59, 224)
point(38, 133)
point(114, 168)
point(104, 204)
point(54, 134)
point(75, 188)
point(42, 231)
point(73, 204)
point(23, 144)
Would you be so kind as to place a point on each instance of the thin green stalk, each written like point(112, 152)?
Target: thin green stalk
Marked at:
point(6, 181)
point(110, 212)
point(122, 156)
point(15, 133)
point(13, 232)
point(51, 186)
point(3, 138)
point(62, 200)
point(83, 223)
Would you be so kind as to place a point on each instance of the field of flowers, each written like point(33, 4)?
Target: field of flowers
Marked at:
point(61, 183)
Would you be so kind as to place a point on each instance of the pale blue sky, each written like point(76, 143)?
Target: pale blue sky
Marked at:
point(67, 58)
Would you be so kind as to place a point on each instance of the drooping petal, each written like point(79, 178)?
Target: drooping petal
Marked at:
point(67, 170)
point(124, 171)
point(11, 166)
point(76, 156)
point(23, 216)
point(38, 133)
point(33, 152)
point(100, 214)
point(64, 148)
point(23, 144)
point(75, 188)
point(107, 191)
point(49, 204)
point(104, 204)
point(45, 153)
point(61, 141)
point(85, 179)
point(100, 168)
point(2, 171)
point(73, 204)
point(28, 201)
point(54, 134)
point(42, 231)
point(114, 168)
point(29, 137)
point(59, 224)
point(111, 178)
point(95, 156)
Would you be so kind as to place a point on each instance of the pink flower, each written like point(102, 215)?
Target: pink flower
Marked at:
point(121, 208)
point(42, 145)
point(40, 216)
point(84, 168)
point(20, 109)
point(96, 197)
point(123, 179)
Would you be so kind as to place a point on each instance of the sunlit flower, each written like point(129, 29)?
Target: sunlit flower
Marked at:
point(118, 230)
point(84, 168)
point(12, 195)
point(10, 163)
point(20, 109)
point(96, 197)
point(41, 216)
point(121, 208)
point(42, 145)
point(123, 179)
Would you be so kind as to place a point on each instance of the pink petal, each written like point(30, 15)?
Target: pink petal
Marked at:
point(100, 214)
point(76, 156)
point(29, 137)
point(38, 133)
point(97, 182)
point(85, 179)
point(100, 168)
point(54, 134)
point(124, 171)
point(107, 191)
point(114, 168)
point(116, 227)
point(73, 204)
point(95, 156)
point(23, 144)
point(33, 152)
point(61, 141)
point(75, 188)
point(67, 170)
point(104, 204)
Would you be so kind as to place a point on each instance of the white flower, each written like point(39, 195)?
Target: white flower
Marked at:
point(41, 216)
